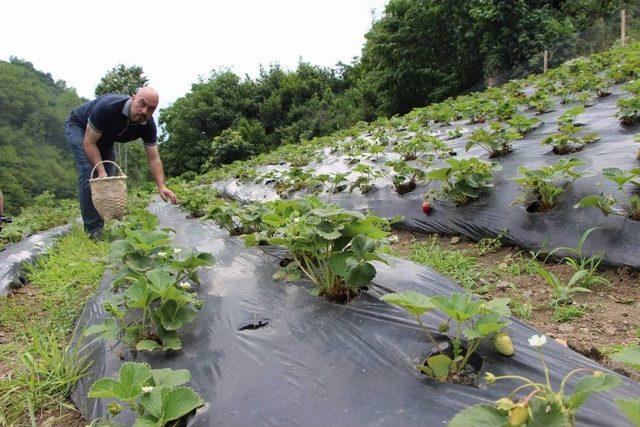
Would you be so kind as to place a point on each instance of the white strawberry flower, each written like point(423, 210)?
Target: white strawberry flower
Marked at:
point(147, 389)
point(162, 254)
point(177, 250)
point(184, 285)
point(537, 340)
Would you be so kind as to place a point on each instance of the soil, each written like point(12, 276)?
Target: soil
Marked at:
point(612, 315)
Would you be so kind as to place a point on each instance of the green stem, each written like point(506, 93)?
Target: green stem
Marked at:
point(424, 328)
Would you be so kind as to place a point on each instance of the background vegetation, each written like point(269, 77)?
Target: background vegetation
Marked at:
point(417, 53)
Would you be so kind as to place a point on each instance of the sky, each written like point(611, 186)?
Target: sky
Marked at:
point(176, 41)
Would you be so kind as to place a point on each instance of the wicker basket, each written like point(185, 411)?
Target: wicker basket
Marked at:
point(109, 194)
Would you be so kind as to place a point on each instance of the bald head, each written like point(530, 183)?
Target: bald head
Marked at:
point(143, 104)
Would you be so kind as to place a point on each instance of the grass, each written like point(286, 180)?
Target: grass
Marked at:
point(38, 369)
point(567, 313)
point(455, 264)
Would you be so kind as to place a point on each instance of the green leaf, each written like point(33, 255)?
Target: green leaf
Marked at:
point(170, 378)
point(362, 245)
point(459, 306)
point(147, 345)
point(173, 315)
point(479, 416)
point(629, 356)
point(152, 402)
point(586, 386)
point(179, 402)
point(338, 263)
point(140, 263)
point(327, 231)
point(119, 249)
point(544, 415)
point(360, 274)
point(160, 282)
point(440, 366)
point(105, 388)
point(499, 305)
point(133, 376)
point(414, 302)
point(631, 409)
point(137, 295)
point(109, 329)
point(147, 422)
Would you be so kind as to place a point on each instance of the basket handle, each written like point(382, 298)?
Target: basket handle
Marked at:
point(105, 161)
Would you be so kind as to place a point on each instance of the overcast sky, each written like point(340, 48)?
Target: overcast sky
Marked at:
point(176, 41)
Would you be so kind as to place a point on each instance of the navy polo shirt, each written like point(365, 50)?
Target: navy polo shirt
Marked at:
point(109, 115)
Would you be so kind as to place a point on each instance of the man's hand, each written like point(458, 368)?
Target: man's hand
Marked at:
point(167, 195)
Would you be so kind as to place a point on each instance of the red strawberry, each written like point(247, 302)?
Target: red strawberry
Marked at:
point(426, 207)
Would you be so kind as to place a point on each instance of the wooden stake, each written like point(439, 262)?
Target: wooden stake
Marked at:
point(545, 65)
point(623, 26)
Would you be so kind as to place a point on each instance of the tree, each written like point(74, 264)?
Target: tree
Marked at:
point(122, 79)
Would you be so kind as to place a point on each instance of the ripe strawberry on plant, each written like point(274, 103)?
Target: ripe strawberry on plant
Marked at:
point(426, 207)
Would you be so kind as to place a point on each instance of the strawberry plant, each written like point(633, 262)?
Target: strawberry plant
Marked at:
point(473, 319)
point(630, 356)
point(629, 113)
point(541, 102)
point(542, 405)
point(335, 183)
point(455, 133)
point(152, 295)
point(295, 179)
point(156, 396)
point(522, 124)
point(405, 176)
point(566, 141)
point(365, 178)
point(496, 139)
point(421, 144)
point(464, 179)
point(542, 187)
point(331, 246)
point(233, 217)
point(609, 204)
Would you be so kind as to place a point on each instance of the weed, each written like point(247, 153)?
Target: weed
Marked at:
point(568, 312)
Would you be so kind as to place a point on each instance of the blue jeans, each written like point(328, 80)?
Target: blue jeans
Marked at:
point(74, 135)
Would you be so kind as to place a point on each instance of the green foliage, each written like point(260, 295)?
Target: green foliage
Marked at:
point(44, 213)
point(35, 156)
point(496, 139)
point(278, 107)
point(405, 176)
point(150, 277)
point(464, 179)
point(566, 141)
point(543, 406)
point(156, 396)
point(332, 246)
point(607, 203)
point(42, 368)
point(123, 80)
point(544, 186)
point(474, 320)
point(562, 291)
point(229, 147)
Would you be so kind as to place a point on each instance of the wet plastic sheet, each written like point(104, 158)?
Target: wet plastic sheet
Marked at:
point(315, 363)
point(618, 239)
point(15, 255)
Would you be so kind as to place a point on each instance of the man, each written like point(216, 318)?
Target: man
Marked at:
point(94, 127)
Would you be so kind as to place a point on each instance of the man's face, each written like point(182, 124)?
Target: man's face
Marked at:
point(142, 107)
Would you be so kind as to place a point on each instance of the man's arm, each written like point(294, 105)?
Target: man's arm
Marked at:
point(90, 145)
point(157, 172)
